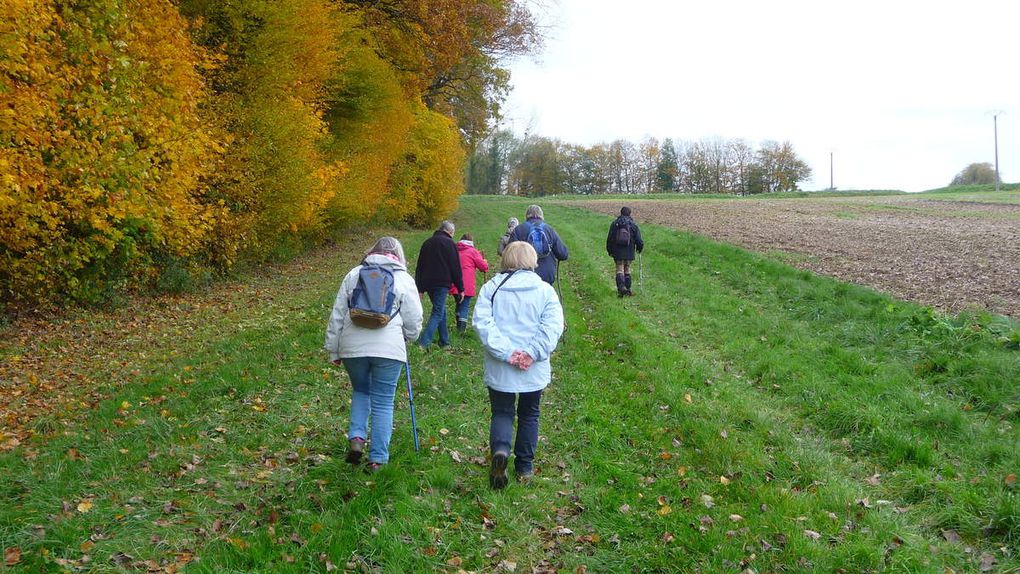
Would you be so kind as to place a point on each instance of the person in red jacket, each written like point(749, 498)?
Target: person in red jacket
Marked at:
point(471, 261)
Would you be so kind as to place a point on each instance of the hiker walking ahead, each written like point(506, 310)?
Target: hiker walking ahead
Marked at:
point(519, 320)
point(507, 237)
point(369, 343)
point(438, 267)
point(544, 239)
point(624, 237)
point(471, 261)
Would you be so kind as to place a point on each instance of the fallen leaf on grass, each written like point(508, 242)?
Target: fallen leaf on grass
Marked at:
point(736, 518)
point(664, 510)
point(723, 480)
point(12, 555)
point(84, 506)
point(682, 470)
point(561, 531)
point(625, 508)
point(707, 501)
point(688, 399)
point(812, 534)
point(987, 562)
point(874, 480)
point(1010, 480)
point(951, 536)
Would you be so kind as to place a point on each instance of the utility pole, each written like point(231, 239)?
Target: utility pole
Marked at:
point(995, 126)
point(831, 186)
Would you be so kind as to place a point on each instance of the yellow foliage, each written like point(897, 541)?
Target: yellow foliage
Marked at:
point(276, 177)
point(140, 139)
point(102, 149)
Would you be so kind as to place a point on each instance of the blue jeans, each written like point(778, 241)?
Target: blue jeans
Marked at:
point(437, 319)
point(375, 385)
point(502, 426)
point(462, 308)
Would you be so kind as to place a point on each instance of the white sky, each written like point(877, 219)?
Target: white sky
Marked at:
point(900, 91)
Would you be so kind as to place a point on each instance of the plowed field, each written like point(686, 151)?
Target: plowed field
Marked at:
point(950, 252)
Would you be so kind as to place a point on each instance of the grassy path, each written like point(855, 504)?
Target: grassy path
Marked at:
point(736, 414)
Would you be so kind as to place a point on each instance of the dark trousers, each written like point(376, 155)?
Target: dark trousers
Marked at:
point(501, 427)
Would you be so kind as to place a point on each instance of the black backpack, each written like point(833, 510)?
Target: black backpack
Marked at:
point(622, 235)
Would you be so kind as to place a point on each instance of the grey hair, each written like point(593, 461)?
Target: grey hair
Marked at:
point(447, 226)
point(534, 211)
point(389, 246)
point(519, 255)
point(512, 223)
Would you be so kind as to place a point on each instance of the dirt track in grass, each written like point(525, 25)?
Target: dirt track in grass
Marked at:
point(948, 252)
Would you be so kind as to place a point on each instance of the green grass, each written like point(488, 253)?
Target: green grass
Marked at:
point(706, 425)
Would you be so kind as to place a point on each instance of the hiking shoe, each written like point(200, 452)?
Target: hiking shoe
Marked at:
point(373, 467)
point(497, 473)
point(461, 326)
point(525, 477)
point(355, 448)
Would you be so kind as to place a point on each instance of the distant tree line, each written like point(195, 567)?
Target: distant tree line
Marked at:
point(504, 164)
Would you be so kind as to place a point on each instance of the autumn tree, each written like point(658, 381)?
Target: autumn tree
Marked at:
point(778, 168)
point(976, 173)
point(104, 151)
point(451, 52)
point(538, 172)
point(667, 170)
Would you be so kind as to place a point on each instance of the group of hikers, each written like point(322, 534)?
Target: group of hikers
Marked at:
point(517, 317)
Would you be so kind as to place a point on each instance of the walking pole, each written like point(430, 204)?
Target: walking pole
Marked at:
point(559, 291)
point(639, 270)
point(410, 400)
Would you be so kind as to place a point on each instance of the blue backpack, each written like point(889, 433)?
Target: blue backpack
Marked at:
point(371, 302)
point(539, 239)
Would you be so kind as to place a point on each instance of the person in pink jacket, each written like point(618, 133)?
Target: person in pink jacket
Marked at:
point(471, 261)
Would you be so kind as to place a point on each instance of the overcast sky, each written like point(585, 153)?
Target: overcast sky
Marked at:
point(899, 91)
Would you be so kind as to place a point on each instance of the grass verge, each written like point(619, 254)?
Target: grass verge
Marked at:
point(736, 414)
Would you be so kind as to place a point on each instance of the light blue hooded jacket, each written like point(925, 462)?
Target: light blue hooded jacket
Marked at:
point(525, 315)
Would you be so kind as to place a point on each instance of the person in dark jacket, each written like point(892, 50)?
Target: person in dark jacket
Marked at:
point(438, 268)
point(557, 250)
point(623, 239)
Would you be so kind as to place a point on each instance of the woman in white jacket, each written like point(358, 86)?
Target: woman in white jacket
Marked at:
point(519, 320)
point(374, 357)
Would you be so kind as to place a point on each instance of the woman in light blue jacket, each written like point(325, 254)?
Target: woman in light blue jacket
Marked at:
point(519, 320)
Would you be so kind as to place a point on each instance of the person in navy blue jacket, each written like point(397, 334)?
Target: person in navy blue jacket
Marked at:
point(623, 239)
point(554, 251)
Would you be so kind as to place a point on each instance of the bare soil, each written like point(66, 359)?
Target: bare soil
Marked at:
point(950, 253)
